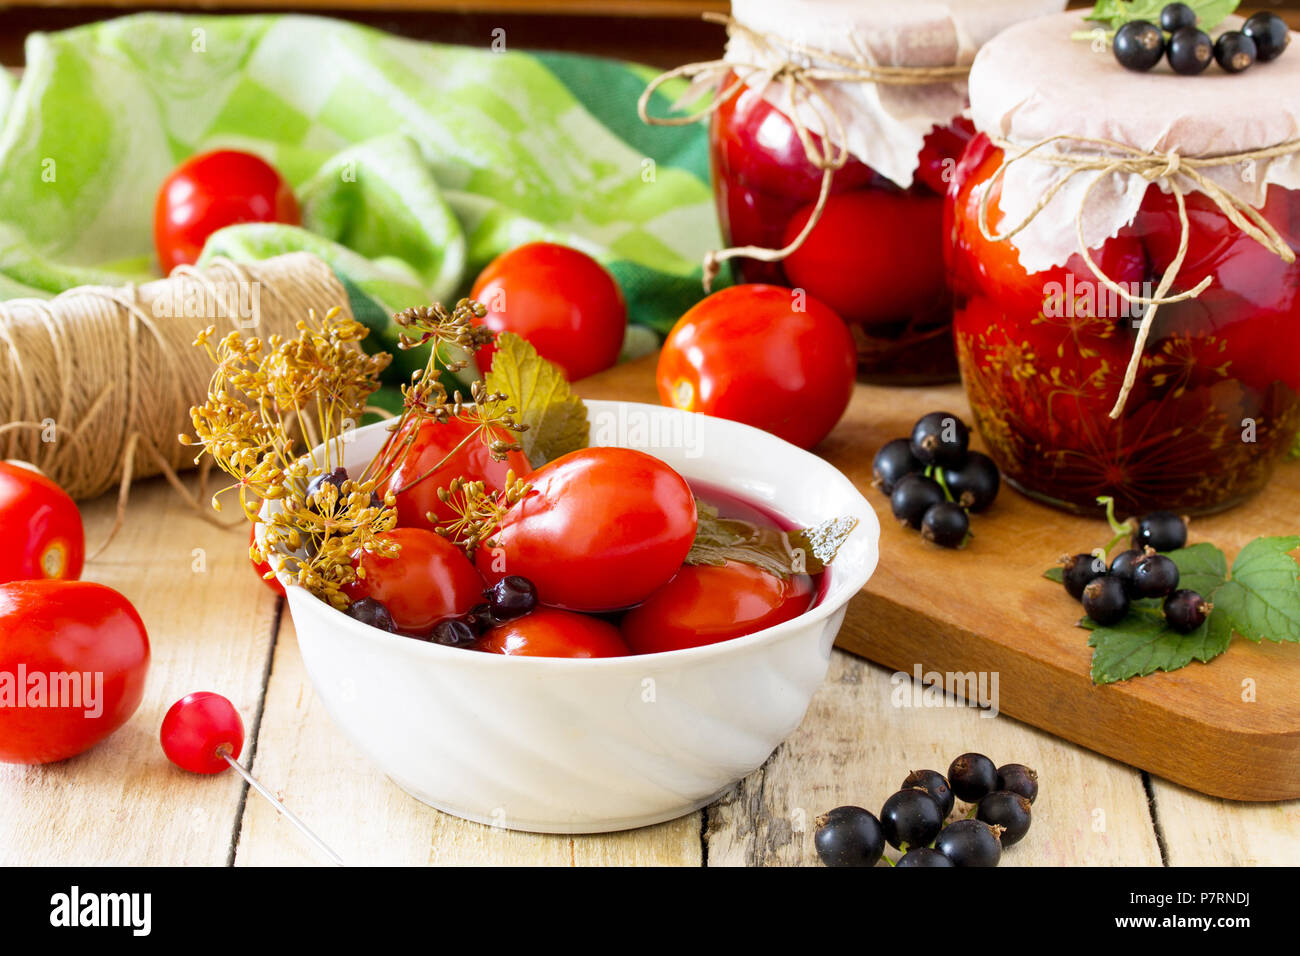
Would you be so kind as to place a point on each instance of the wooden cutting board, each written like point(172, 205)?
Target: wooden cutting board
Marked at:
point(1230, 728)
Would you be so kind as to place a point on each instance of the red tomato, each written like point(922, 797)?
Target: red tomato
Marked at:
point(601, 529)
point(41, 528)
point(873, 256)
point(198, 729)
point(703, 604)
point(939, 156)
point(263, 568)
point(213, 190)
point(433, 443)
point(559, 299)
point(747, 354)
point(548, 632)
point(427, 581)
point(81, 646)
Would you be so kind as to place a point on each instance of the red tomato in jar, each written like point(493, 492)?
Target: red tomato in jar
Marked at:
point(873, 256)
point(601, 529)
point(704, 604)
point(41, 528)
point(464, 456)
point(548, 632)
point(263, 568)
point(748, 353)
point(213, 190)
point(561, 300)
point(428, 580)
point(83, 648)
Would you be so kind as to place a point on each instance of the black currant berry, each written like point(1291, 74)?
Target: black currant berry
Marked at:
point(1190, 51)
point(372, 612)
point(453, 632)
point(940, 438)
point(1270, 34)
point(1175, 16)
point(1162, 530)
point(1018, 778)
point(972, 777)
point(1186, 610)
point(335, 478)
point(913, 496)
point(923, 856)
point(1138, 45)
point(1155, 576)
point(1235, 51)
point(945, 524)
point(1079, 570)
point(935, 784)
point(1122, 569)
point(892, 462)
point(511, 597)
point(912, 817)
point(974, 484)
point(1007, 810)
point(1105, 600)
point(480, 618)
point(970, 843)
point(849, 836)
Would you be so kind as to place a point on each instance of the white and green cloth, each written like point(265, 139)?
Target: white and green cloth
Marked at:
point(415, 163)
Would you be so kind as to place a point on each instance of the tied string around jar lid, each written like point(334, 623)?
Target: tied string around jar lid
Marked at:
point(795, 71)
point(1106, 158)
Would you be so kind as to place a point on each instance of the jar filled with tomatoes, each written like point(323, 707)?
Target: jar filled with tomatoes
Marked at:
point(874, 252)
point(1046, 343)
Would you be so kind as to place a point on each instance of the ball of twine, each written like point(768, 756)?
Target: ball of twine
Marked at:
point(97, 383)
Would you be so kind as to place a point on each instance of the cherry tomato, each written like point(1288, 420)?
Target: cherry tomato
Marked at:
point(873, 256)
point(433, 443)
point(213, 190)
point(703, 604)
point(198, 729)
point(428, 580)
point(73, 660)
point(748, 353)
point(263, 568)
point(560, 300)
point(942, 150)
point(548, 632)
point(600, 530)
point(41, 528)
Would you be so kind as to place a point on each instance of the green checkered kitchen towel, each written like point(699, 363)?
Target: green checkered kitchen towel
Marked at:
point(415, 163)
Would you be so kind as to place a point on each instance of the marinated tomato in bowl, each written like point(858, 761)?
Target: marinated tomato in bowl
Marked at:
point(609, 553)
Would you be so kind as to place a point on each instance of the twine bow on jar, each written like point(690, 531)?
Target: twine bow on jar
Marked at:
point(1106, 157)
point(791, 66)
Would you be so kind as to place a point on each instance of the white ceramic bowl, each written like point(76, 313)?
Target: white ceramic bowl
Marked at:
point(586, 746)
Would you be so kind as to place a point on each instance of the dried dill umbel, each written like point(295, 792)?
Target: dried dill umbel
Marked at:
point(277, 418)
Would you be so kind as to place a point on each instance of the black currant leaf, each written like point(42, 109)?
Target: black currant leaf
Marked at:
point(1142, 644)
point(803, 551)
point(1202, 568)
point(1116, 13)
point(555, 416)
point(1055, 573)
point(1263, 598)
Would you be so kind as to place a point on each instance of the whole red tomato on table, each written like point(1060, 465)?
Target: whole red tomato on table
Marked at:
point(600, 530)
point(40, 527)
point(704, 604)
point(213, 190)
point(561, 300)
point(466, 455)
point(88, 646)
point(548, 632)
point(428, 580)
point(764, 355)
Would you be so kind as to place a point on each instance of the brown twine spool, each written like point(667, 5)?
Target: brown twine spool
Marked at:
point(97, 383)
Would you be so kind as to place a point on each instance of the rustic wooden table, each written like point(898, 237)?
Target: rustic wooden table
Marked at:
point(215, 626)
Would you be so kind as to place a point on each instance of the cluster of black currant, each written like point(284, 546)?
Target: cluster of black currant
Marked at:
point(913, 819)
point(934, 480)
point(511, 597)
point(1140, 572)
point(1140, 44)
